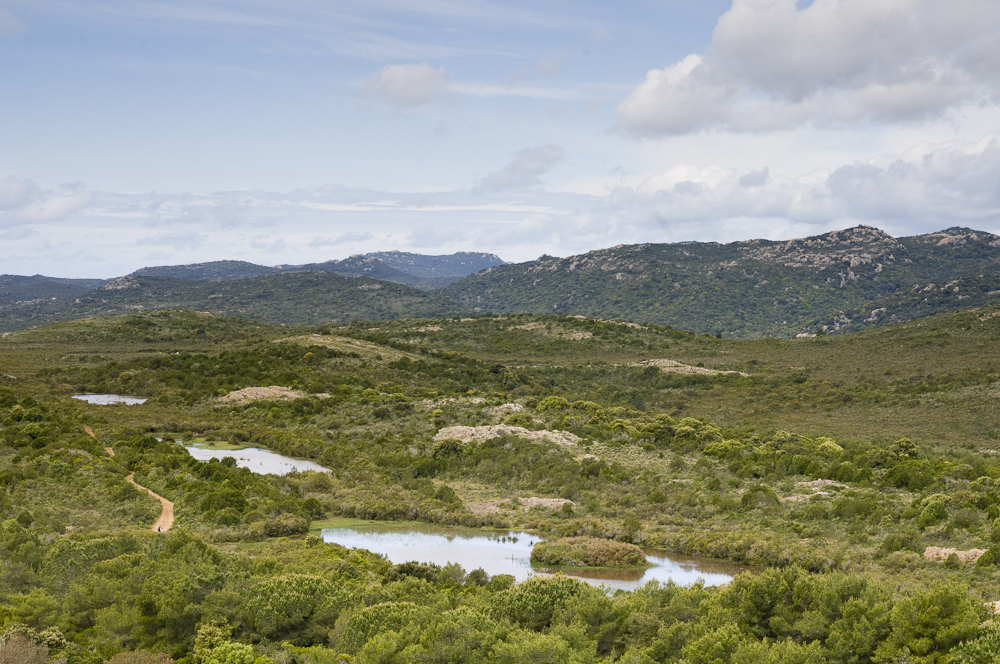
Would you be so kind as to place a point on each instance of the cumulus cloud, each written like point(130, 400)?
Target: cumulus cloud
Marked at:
point(523, 171)
point(406, 86)
point(772, 65)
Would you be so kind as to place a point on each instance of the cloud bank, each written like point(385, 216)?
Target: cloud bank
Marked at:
point(924, 189)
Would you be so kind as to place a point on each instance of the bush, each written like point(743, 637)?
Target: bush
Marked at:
point(446, 448)
point(355, 629)
point(587, 552)
point(759, 496)
point(552, 403)
point(988, 559)
point(981, 650)
point(284, 525)
point(532, 603)
point(934, 513)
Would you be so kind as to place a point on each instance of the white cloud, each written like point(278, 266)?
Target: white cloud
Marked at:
point(179, 241)
point(925, 189)
point(23, 202)
point(410, 86)
point(772, 65)
point(522, 171)
point(407, 86)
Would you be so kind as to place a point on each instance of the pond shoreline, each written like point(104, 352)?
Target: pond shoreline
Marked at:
point(509, 552)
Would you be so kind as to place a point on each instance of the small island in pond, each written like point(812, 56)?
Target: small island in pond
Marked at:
point(588, 552)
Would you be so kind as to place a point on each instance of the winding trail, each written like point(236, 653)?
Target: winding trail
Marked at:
point(166, 519)
point(166, 512)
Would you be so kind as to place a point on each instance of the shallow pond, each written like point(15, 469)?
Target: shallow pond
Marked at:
point(257, 460)
point(109, 399)
point(510, 553)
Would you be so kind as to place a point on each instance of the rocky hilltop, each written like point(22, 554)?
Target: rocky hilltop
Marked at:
point(755, 287)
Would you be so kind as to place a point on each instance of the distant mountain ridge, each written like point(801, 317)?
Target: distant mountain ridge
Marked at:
point(298, 298)
point(839, 281)
point(417, 270)
point(15, 289)
point(751, 288)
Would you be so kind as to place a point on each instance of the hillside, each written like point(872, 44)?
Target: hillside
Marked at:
point(306, 298)
point(418, 270)
point(364, 266)
point(437, 267)
point(751, 288)
point(213, 271)
point(16, 289)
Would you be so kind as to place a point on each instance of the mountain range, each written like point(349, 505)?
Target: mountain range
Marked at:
point(839, 281)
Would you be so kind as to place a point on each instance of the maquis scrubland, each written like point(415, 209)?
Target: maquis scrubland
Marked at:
point(854, 476)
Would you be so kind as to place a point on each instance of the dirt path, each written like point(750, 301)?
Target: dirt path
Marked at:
point(166, 519)
point(166, 514)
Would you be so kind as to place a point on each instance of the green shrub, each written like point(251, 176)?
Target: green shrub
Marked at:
point(988, 559)
point(532, 603)
point(587, 552)
point(552, 403)
point(984, 649)
point(934, 513)
point(759, 496)
point(355, 629)
point(446, 448)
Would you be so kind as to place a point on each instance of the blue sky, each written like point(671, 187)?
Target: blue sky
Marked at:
point(138, 133)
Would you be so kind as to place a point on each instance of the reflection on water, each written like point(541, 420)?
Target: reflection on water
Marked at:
point(263, 462)
point(510, 553)
point(109, 399)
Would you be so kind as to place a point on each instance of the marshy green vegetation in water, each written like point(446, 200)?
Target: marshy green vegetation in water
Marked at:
point(588, 552)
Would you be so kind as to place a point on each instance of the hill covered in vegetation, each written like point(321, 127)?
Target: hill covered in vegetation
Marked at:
point(847, 279)
point(296, 298)
point(17, 290)
point(829, 463)
point(418, 270)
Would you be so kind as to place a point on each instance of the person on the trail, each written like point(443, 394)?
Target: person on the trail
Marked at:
point(159, 529)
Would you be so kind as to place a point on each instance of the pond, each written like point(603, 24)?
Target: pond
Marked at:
point(510, 553)
point(109, 399)
point(257, 460)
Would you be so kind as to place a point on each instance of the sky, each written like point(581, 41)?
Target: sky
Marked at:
point(144, 132)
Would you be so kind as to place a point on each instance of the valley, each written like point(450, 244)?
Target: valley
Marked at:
point(836, 467)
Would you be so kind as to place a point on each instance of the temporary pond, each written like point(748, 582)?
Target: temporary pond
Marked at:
point(257, 460)
point(109, 399)
point(510, 553)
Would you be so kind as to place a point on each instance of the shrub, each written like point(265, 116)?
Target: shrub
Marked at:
point(446, 448)
point(988, 559)
point(587, 552)
point(907, 540)
point(18, 649)
point(355, 629)
point(284, 525)
point(532, 603)
point(981, 650)
point(552, 403)
point(934, 513)
point(759, 496)
point(967, 517)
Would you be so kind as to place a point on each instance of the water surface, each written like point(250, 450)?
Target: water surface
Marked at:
point(257, 460)
point(510, 553)
point(109, 399)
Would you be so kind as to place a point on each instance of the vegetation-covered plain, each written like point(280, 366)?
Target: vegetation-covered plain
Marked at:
point(830, 463)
